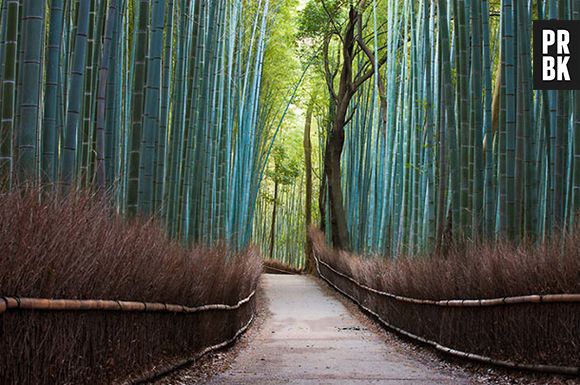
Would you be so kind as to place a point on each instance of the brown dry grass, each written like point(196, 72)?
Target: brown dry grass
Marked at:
point(79, 248)
point(545, 333)
point(469, 270)
point(276, 267)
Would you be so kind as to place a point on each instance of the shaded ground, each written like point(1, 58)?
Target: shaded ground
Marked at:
point(311, 338)
point(477, 373)
point(305, 333)
point(220, 361)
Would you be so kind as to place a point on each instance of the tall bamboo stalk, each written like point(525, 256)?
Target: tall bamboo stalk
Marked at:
point(75, 92)
point(51, 109)
point(28, 125)
point(9, 94)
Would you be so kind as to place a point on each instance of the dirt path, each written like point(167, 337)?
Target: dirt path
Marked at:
point(311, 338)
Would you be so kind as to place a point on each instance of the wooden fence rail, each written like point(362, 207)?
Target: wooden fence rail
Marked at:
point(535, 298)
point(455, 303)
point(16, 303)
point(46, 341)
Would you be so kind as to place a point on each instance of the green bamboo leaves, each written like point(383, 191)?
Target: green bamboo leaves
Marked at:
point(155, 102)
point(163, 104)
point(453, 162)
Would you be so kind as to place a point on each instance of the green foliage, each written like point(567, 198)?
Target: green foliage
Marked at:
point(172, 107)
point(286, 164)
point(428, 164)
point(159, 103)
point(319, 18)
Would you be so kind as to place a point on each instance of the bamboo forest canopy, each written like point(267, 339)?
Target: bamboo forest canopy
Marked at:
point(397, 125)
point(157, 102)
point(433, 129)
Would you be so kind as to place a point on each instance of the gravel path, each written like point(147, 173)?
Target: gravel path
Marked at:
point(311, 338)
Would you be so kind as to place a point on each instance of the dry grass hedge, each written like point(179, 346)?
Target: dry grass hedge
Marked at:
point(78, 248)
point(273, 266)
point(469, 270)
point(545, 333)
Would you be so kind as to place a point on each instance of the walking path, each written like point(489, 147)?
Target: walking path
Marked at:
point(311, 338)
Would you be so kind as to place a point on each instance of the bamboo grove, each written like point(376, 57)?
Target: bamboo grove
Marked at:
point(282, 218)
point(156, 102)
point(449, 139)
point(432, 131)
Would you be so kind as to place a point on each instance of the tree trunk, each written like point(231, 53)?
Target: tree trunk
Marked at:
point(338, 226)
point(322, 193)
point(322, 201)
point(308, 169)
point(335, 142)
point(273, 227)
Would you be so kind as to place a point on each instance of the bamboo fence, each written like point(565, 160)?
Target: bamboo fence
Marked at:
point(457, 303)
point(124, 335)
point(164, 371)
point(16, 303)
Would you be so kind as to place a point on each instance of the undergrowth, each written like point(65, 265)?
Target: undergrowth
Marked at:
point(79, 248)
point(274, 266)
point(469, 270)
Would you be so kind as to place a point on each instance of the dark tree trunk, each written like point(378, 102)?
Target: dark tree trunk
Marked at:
point(352, 36)
point(338, 224)
point(322, 202)
point(322, 194)
point(335, 142)
point(273, 228)
point(308, 170)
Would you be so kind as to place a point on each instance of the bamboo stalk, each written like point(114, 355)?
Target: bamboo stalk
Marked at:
point(73, 113)
point(9, 95)
point(50, 124)
point(27, 129)
point(102, 92)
